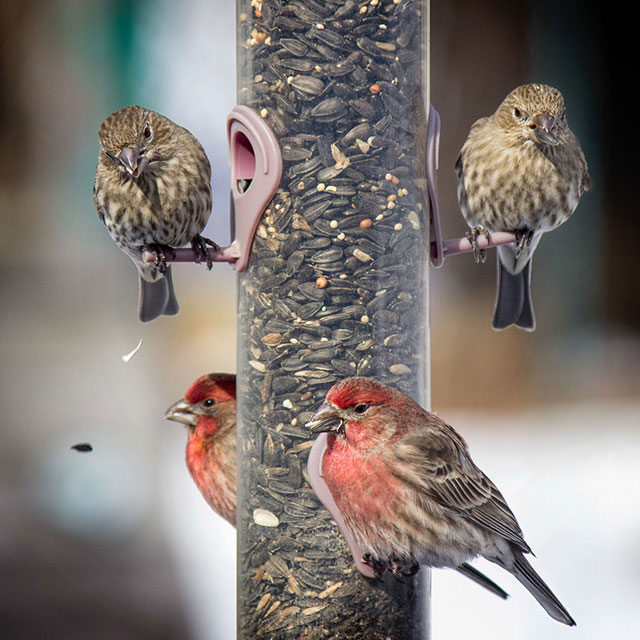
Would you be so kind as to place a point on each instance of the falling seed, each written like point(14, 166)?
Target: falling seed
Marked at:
point(264, 518)
point(83, 447)
point(128, 356)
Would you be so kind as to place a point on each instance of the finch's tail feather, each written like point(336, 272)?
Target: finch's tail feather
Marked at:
point(513, 301)
point(157, 298)
point(536, 586)
point(478, 577)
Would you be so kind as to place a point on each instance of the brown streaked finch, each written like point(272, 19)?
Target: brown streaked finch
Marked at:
point(209, 411)
point(409, 491)
point(152, 191)
point(521, 170)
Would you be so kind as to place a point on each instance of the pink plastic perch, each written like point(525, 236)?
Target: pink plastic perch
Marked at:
point(314, 467)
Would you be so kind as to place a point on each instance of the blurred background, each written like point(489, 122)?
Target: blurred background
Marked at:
point(117, 543)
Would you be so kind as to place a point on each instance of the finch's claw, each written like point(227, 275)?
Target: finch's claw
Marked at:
point(402, 568)
point(378, 566)
point(523, 236)
point(199, 245)
point(160, 254)
point(480, 255)
point(412, 568)
point(397, 570)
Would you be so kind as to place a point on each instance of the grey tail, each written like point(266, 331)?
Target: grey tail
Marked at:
point(522, 570)
point(157, 298)
point(513, 302)
point(478, 577)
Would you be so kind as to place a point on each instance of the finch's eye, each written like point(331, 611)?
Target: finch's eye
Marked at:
point(361, 408)
point(146, 132)
point(517, 113)
point(208, 403)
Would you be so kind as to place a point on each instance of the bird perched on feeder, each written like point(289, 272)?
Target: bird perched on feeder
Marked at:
point(209, 411)
point(152, 191)
point(521, 170)
point(409, 491)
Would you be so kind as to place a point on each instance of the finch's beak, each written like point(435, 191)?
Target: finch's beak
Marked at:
point(326, 418)
point(543, 130)
point(181, 412)
point(133, 160)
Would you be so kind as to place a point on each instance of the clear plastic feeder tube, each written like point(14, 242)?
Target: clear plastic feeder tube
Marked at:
point(336, 285)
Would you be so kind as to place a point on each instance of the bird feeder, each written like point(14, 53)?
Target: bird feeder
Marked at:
point(335, 284)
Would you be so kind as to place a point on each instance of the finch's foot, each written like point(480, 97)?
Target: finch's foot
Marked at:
point(200, 249)
point(161, 252)
point(411, 568)
point(401, 568)
point(523, 237)
point(378, 566)
point(480, 255)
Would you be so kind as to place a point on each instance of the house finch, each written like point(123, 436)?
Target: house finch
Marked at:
point(152, 191)
point(522, 171)
point(209, 410)
point(409, 491)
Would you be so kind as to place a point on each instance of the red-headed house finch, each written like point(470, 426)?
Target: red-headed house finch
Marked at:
point(520, 170)
point(209, 411)
point(409, 491)
point(152, 191)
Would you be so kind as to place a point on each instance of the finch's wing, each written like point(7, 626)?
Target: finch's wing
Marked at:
point(443, 470)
